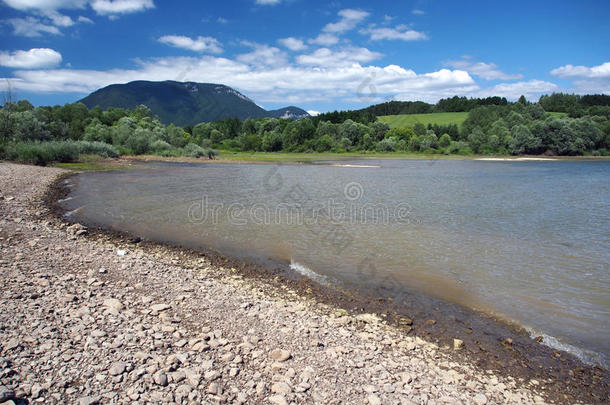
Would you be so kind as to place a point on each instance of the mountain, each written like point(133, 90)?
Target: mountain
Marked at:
point(185, 103)
point(289, 113)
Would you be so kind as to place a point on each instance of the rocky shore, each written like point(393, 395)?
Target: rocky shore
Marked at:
point(92, 320)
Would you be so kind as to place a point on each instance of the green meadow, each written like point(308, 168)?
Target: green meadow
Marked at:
point(409, 120)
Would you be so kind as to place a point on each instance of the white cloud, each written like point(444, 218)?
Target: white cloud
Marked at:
point(418, 12)
point(531, 89)
point(594, 79)
point(293, 44)
point(350, 18)
point(45, 4)
point(33, 59)
point(324, 40)
point(401, 32)
point(222, 20)
point(31, 27)
point(59, 19)
point(263, 56)
point(324, 57)
point(287, 83)
point(313, 113)
point(113, 7)
point(487, 71)
point(200, 44)
point(85, 20)
point(569, 71)
point(268, 2)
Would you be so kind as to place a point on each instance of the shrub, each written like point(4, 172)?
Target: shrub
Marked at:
point(43, 153)
point(210, 153)
point(386, 145)
point(138, 142)
point(193, 150)
point(96, 148)
point(160, 145)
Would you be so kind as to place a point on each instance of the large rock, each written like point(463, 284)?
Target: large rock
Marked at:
point(114, 304)
point(280, 354)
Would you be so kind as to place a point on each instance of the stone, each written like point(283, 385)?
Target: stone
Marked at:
point(160, 307)
point(278, 400)
point(11, 344)
point(368, 318)
point(118, 368)
point(193, 378)
point(374, 399)
point(480, 399)
point(6, 394)
point(211, 375)
point(36, 391)
point(160, 378)
point(281, 388)
point(280, 355)
point(213, 389)
point(114, 304)
point(458, 344)
point(89, 400)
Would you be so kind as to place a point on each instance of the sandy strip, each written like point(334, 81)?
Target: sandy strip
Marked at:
point(518, 159)
point(88, 321)
point(359, 166)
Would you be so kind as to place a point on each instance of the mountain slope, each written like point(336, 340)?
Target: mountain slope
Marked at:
point(185, 103)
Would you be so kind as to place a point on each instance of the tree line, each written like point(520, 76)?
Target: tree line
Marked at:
point(576, 125)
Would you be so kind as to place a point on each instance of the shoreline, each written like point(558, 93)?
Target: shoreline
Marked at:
point(568, 381)
point(304, 158)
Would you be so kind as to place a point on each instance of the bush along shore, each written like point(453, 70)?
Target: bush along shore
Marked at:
point(90, 318)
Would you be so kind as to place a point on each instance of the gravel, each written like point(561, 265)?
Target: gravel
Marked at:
point(154, 327)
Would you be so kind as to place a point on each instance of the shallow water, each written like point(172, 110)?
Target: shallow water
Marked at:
point(525, 241)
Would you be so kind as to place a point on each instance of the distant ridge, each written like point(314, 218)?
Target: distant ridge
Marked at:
point(185, 103)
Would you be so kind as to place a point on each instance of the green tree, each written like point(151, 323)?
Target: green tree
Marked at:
point(419, 129)
point(272, 141)
point(478, 140)
point(444, 141)
point(522, 141)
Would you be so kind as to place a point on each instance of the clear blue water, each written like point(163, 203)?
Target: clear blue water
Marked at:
point(525, 241)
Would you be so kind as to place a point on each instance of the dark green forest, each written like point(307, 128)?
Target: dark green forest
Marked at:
point(494, 126)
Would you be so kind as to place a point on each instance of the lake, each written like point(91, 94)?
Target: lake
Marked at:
point(527, 242)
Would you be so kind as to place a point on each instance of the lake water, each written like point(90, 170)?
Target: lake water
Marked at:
point(525, 241)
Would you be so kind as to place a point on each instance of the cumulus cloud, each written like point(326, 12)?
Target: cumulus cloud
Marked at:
point(350, 18)
point(268, 2)
point(569, 71)
point(401, 32)
point(595, 79)
point(263, 56)
point(45, 4)
point(324, 40)
point(59, 19)
point(418, 12)
point(283, 82)
point(33, 59)
point(531, 89)
point(102, 7)
point(113, 7)
point(325, 57)
point(293, 44)
point(85, 20)
point(487, 71)
point(31, 27)
point(200, 44)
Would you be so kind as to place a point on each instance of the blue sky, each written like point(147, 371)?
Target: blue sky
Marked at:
point(317, 55)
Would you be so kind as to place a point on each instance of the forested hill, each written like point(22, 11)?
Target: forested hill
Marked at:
point(185, 103)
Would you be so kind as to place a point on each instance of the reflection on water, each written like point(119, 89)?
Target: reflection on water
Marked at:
point(528, 241)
